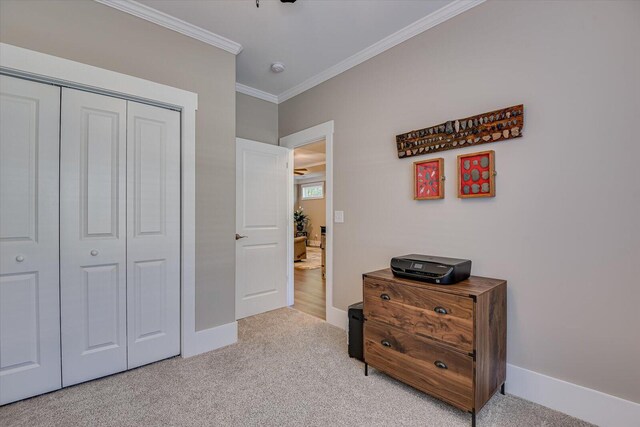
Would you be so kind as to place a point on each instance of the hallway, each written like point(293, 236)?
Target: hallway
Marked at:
point(309, 292)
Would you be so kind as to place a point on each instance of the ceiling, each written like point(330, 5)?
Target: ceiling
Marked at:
point(309, 36)
point(310, 155)
point(313, 174)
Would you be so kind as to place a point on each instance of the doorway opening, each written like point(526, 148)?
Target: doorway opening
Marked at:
point(309, 238)
point(323, 131)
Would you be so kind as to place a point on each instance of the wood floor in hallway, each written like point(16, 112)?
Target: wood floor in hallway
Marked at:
point(309, 292)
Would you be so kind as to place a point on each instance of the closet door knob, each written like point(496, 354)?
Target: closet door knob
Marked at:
point(385, 343)
point(94, 253)
point(19, 258)
point(385, 297)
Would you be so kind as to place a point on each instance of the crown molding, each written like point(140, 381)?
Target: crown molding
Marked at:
point(310, 165)
point(256, 93)
point(439, 16)
point(152, 15)
point(310, 178)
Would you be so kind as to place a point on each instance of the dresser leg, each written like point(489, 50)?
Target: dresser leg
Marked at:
point(502, 389)
point(366, 369)
point(473, 419)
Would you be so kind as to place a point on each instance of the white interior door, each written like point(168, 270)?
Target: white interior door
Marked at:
point(92, 235)
point(153, 233)
point(29, 291)
point(261, 217)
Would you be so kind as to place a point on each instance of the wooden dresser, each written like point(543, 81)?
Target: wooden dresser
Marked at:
point(446, 340)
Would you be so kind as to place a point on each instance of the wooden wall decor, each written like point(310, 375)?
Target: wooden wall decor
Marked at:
point(477, 175)
point(428, 179)
point(498, 125)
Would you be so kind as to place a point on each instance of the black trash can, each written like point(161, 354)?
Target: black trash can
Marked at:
point(356, 325)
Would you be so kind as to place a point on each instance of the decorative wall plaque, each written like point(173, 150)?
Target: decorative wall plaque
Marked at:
point(428, 179)
point(476, 175)
point(498, 125)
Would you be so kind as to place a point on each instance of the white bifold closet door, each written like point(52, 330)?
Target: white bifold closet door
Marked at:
point(29, 291)
point(153, 233)
point(120, 235)
point(93, 237)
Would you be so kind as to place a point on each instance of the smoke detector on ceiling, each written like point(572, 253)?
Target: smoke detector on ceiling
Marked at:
point(277, 67)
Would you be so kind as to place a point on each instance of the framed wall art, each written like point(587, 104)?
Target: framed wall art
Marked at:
point(477, 175)
point(428, 179)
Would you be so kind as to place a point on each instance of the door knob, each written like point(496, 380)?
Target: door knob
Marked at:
point(19, 258)
point(238, 237)
point(94, 253)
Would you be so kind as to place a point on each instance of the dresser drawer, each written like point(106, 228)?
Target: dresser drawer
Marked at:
point(444, 317)
point(419, 362)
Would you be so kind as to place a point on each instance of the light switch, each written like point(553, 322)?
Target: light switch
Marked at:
point(338, 216)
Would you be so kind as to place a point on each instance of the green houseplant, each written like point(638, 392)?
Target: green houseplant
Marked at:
point(300, 218)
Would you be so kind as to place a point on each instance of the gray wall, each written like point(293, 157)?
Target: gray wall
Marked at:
point(563, 228)
point(88, 32)
point(256, 119)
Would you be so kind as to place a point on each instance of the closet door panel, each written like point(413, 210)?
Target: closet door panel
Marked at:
point(29, 284)
point(153, 242)
point(93, 236)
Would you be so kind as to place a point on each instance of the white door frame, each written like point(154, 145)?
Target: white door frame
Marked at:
point(38, 66)
point(322, 131)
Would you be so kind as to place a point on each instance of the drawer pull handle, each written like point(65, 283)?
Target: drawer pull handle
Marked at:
point(440, 364)
point(440, 310)
point(385, 297)
point(385, 343)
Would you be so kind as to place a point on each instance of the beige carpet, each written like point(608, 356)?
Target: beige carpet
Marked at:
point(288, 369)
point(313, 261)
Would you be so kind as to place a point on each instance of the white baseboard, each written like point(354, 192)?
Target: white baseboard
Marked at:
point(589, 405)
point(337, 317)
point(213, 338)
